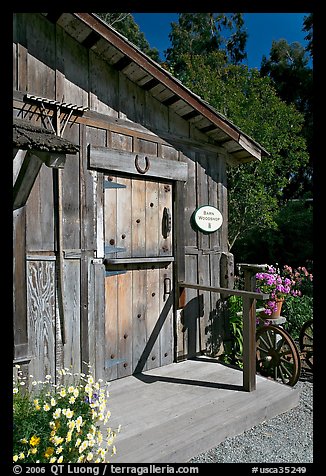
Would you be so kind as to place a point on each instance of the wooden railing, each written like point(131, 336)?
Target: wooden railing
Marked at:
point(249, 323)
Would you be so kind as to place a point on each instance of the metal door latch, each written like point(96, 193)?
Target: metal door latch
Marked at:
point(166, 222)
point(167, 288)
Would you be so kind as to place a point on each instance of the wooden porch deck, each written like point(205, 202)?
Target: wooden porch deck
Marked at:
point(170, 414)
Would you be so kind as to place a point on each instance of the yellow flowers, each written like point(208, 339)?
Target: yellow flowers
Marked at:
point(63, 392)
point(83, 446)
point(67, 420)
point(57, 440)
point(67, 413)
point(49, 452)
point(79, 423)
point(57, 413)
point(71, 425)
point(35, 440)
point(68, 437)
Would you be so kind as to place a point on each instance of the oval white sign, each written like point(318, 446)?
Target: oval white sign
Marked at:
point(208, 219)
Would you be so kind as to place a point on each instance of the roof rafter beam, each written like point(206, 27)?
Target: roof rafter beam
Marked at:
point(91, 40)
point(150, 84)
point(122, 63)
point(53, 17)
point(171, 100)
point(209, 128)
point(191, 115)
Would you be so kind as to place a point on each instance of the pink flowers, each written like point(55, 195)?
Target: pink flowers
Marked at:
point(272, 283)
point(294, 282)
point(301, 280)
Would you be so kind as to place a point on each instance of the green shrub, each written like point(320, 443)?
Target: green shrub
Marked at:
point(297, 310)
point(234, 347)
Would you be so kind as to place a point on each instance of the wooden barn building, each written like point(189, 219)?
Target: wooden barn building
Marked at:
point(120, 196)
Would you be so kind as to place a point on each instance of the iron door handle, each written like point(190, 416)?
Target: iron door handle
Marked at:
point(166, 222)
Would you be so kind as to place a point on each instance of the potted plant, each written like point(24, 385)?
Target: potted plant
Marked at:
point(278, 287)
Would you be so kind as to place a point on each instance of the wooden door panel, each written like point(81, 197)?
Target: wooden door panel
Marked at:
point(153, 313)
point(139, 317)
point(166, 316)
point(124, 292)
point(134, 218)
point(111, 327)
point(138, 218)
point(152, 219)
point(138, 321)
point(110, 217)
point(138, 308)
point(123, 225)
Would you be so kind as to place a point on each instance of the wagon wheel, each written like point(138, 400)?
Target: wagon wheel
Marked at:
point(277, 355)
point(306, 342)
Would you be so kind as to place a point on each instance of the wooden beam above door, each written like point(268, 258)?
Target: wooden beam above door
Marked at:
point(144, 165)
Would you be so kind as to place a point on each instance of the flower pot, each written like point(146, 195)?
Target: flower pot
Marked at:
point(276, 314)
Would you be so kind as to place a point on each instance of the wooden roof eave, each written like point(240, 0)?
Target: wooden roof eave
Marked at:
point(174, 85)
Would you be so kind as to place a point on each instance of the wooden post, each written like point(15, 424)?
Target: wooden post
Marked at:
point(249, 344)
point(249, 327)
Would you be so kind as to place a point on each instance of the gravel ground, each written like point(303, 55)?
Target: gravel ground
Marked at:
point(286, 438)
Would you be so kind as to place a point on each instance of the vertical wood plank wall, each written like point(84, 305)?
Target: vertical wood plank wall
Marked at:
point(49, 63)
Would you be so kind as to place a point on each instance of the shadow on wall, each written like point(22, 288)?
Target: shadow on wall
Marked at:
point(190, 319)
point(216, 332)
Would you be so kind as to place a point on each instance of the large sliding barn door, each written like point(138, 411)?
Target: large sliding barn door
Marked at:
point(139, 273)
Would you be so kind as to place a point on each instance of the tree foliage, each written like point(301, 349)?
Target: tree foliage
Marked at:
point(308, 28)
point(291, 242)
point(204, 33)
point(251, 102)
point(126, 25)
point(287, 67)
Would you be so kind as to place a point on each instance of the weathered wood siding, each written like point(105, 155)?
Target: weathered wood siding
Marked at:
point(201, 316)
point(49, 63)
point(41, 316)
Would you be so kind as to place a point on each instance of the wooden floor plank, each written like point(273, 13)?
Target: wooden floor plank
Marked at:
point(172, 413)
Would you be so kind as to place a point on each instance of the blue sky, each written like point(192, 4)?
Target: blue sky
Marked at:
point(262, 29)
